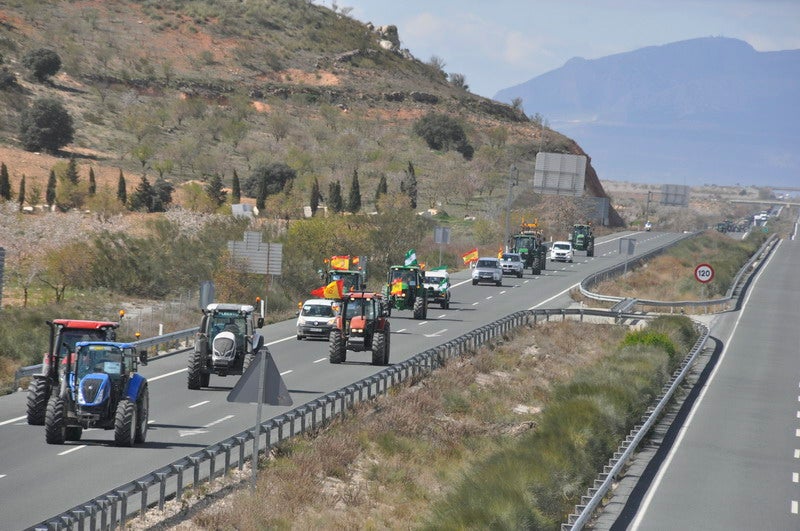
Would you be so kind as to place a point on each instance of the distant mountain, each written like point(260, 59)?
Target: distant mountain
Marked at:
point(708, 110)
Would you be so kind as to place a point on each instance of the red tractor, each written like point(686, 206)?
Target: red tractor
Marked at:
point(361, 324)
point(64, 334)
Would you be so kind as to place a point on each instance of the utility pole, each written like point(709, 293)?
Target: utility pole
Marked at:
point(513, 180)
point(647, 209)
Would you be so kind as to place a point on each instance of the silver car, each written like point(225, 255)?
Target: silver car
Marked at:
point(512, 264)
point(487, 270)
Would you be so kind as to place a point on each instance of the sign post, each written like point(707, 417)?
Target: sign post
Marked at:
point(704, 274)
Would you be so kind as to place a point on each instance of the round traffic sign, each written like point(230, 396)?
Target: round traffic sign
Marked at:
point(704, 273)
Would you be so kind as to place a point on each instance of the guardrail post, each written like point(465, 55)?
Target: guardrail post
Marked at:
point(226, 447)
point(212, 458)
point(196, 472)
point(143, 505)
point(112, 501)
point(162, 489)
point(91, 509)
point(123, 509)
point(241, 442)
point(103, 513)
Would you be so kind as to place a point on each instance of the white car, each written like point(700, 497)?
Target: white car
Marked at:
point(648, 226)
point(316, 318)
point(561, 252)
point(437, 283)
point(487, 270)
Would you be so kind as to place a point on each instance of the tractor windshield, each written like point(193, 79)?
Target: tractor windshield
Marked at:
point(351, 281)
point(357, 307)
point(235, 324)
point(107, 359)
point(523, 242)
point(407, 276)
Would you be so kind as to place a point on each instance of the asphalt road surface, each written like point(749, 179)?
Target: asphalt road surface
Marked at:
point(38, 481)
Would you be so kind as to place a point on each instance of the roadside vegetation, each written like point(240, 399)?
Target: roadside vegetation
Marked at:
point(508, 438)
point(670, 276)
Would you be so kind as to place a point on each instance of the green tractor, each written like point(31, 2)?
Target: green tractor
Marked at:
point(405, 290)
point(529, 243)
point(582, 238)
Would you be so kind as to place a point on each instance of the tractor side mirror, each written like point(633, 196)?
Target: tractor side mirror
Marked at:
point(143, 357)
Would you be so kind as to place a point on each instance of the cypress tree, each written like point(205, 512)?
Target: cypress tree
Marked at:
point(335, 196)
point(354, 198)
point(214, 190)
point(72, 171)
point(316, 197)
point(5, 183)
point(122, 193)
point(383, 188)
point(409, 185)
point(50, 192)
point(236, 188)
point(21, 192)
point(92, 182)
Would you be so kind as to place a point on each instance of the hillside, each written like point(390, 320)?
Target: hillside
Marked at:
point(190, 90)
point(685, 111)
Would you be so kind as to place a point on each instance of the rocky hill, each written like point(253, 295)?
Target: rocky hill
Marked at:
point(186, 91)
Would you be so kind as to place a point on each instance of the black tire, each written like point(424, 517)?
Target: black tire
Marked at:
point(336, 348)
point(379, 348)
point(590, 252)
point(73, 433)
point(142, 415)
point(194, 378)
point(420, 308)
point(498, 283)
point(38, 395)
point(444, 305)
point(388, 340)
point(248, 360)
point(55, 422)
point(519, 275)
point(125, 423)
point(299, 337)
point(205, 379)
point(474, 282)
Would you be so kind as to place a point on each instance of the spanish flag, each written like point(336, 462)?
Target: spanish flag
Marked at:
point(470, 256)
point(500, 254)
point(334, 290)
point(340, 262)
point(397, 287)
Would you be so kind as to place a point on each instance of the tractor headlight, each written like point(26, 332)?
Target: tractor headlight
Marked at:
point(357, 330)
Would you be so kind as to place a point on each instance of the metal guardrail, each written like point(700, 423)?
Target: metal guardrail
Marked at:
point(114, 508)
point(605, 479)
point(172, 338)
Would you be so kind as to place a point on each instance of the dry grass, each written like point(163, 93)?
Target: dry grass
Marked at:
point(403, 452)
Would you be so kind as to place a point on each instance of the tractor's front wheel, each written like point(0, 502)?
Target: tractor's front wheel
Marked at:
point(590, 251)
point(195, 376)
point(125, 423)
point(337, 352)
point(55, 421)
point(380, 347)
point(143, 414)
point(38, 395)
point(73, 433)
point(420, 308)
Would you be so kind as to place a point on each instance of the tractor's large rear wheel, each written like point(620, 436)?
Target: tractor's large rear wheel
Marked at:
point(195, 376)
point(337, 352)
point(55, 421)
point(38, 395)
point(590, 251)
point(143, 414)
point(125, 423)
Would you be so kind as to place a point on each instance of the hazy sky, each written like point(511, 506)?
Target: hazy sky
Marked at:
point(496, 44)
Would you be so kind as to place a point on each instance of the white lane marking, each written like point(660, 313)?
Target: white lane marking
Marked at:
point(797, 453)
point(422, 323)
point(502, 292)
point(436, 334)
point(187, 433)
point(2, 476)
point(204, 402)
point(797, 433)
point(441, 316)
point(287, 372)
point(320, 360)
point(489, 297)
point(794, 506)
point(154, 378)
point(648, 499)
point(525, 281)
point(65, 452)
point(282, 340)
point(223, 419)
point(401, 330)
point(795, 477)
point(11, 421)
point(475, 303)
point(798, 414)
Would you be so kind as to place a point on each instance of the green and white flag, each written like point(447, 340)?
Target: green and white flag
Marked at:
point(411, 257)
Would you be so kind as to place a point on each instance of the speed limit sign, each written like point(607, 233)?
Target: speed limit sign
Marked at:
point(704, 273)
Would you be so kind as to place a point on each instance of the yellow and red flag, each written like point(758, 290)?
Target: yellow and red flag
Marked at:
point(340, 262)
point(500, 253)
point(334, 290)
point(470, 256)
point(397, 286)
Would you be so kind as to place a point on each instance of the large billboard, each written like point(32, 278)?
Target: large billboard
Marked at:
point(259, 257)
point(675, 195)
point(559, 174)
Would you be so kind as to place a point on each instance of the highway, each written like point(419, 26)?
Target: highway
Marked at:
point(735, 462)
point(38, 480)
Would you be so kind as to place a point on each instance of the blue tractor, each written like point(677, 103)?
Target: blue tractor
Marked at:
point(100, 388)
